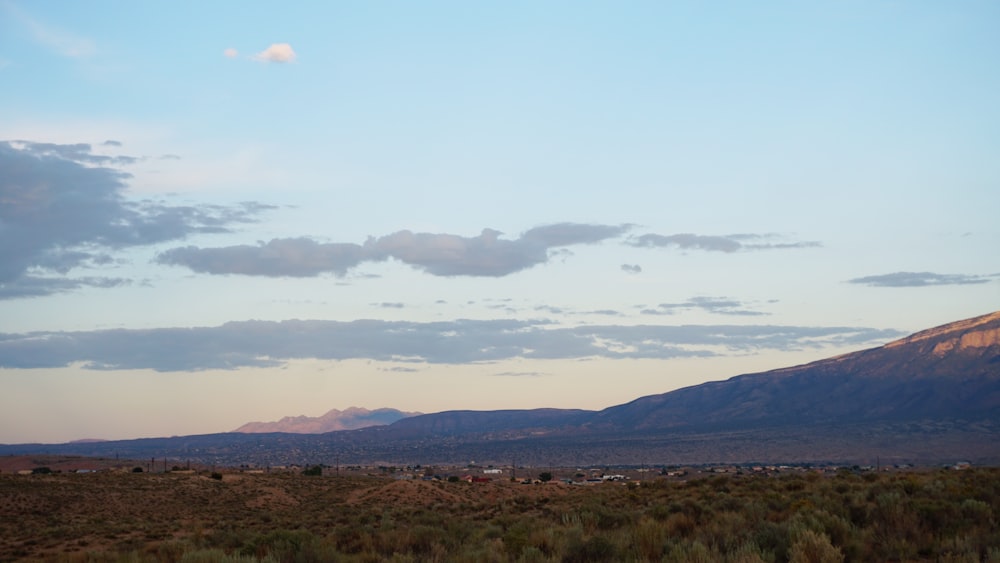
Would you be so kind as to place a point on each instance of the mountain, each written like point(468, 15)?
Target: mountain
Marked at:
point(348, 419)
point(948, 372)
point(931, 397)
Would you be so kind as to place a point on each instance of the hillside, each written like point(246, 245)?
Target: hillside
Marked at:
point(948, 372)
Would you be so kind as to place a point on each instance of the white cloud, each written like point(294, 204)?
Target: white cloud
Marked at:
point(231, 53)
point(276, 53)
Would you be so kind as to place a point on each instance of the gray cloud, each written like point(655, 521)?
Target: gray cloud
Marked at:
point(715, 243)
point(76, 152)
point(268, 343)
point(438, 254)
point(716, 305)
point(920, 279)
point(62, 207)
point(632, 268)
point(293, 257)
point(567, 234)
point(34, 286)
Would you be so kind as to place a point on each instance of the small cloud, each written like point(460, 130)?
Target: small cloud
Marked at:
point(231, 53)
point(550, 309)
point(112, 143)
point(276, 53)
point(519, 374)
point(919, 279)
point(387, 305)
point(717, 243)
point(715, 305)
point(632, 268)
point(605, 312)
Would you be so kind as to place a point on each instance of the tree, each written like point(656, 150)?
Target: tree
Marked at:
point(545, 476)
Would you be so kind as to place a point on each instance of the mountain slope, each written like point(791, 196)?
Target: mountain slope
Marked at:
point(951, 371)
point(348, 419)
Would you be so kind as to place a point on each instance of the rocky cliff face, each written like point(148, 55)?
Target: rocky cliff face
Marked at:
point(972, 336)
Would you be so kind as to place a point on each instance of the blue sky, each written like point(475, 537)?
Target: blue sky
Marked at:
point(224, 212)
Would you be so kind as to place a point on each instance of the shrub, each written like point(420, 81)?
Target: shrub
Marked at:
point(811, 547)
point(597, 548)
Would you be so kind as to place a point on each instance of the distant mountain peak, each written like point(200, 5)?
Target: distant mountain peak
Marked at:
point(964, 335)
point(350, 418)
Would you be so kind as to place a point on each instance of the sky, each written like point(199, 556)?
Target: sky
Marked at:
point(223, 212)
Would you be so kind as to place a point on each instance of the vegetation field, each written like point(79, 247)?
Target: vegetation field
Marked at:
point(932, 515)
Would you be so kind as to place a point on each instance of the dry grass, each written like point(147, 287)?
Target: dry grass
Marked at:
point(927, 516)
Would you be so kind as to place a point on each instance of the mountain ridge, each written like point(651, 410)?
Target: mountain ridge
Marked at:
point(351, 418)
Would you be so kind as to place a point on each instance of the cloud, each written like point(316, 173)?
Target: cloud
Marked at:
point(714, 243)
point(715, 305)
point(920, 279)
point(268, 343)
point(62, 207)
point(438, 254)
point(294, 257)
point(231, 53)
point(77, 152)
point(35, 286)
point(632, 268)
point(276, 53)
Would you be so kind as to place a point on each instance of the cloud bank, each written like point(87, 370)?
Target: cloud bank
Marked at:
point(269, 343)
point(920, 279)
point(438, 254)
point(62, 207)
